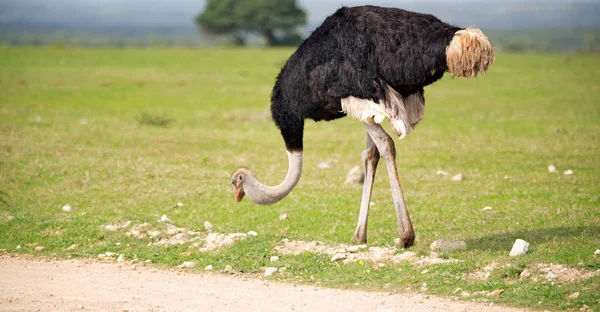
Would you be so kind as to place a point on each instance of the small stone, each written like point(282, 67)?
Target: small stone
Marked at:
point(551, 168)
point(425, 271)
point(186, 254)
point(72, 247)
point(507, 177)
point(457, 178)
point(487, 208)
point(282, 216)
point(40, 248)
point(495, 292)
point(121, 258)
point(164, 218)
point(101, 255)
point(574, 295)
point(465, 294)
point(179, 204)
point(270, 271)
point(597, 252)
point(325, 165)
point(19, 247)
point(80, 307)
point(208, 226)
point(352, 249)
point(109, 254)
point(339, 256)
point(568, 172)
point(442, 172)
point(203, 249)
point(525, 274)
point(520, 247)
point(274, 259)
point(446, 245)
point(228, 268)
point(66, 208)
point(252, 233)
point(188, 264)
point(355, 176)
point(9, 218)
point(208, 268)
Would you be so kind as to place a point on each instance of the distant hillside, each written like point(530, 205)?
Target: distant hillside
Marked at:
point(141, 22)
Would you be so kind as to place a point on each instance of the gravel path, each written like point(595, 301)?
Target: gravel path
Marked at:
point(40, 285)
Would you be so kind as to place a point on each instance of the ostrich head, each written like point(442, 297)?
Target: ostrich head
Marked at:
point(237, 180)
point(469, 53)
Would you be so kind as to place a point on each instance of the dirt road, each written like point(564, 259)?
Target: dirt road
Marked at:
point(37, 285)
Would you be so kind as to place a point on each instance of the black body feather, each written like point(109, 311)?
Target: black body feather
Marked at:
point(357, 51)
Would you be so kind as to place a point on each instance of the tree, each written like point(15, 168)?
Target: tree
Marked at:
point(276, 20)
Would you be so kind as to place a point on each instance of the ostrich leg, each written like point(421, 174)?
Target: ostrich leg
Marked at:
point(387, 149)
point(370, 157)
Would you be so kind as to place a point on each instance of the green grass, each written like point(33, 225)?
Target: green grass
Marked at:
point(72, 132)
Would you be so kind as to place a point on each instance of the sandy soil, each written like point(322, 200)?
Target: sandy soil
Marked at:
point(39, 285)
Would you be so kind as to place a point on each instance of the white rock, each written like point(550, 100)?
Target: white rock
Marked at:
point(282, 216)
point(551, 168)
point(339, 256)
point(442, 172)
point(270, 271)
point(274, 259)
point(252, 233)
point(208, 268)
point(19, 247)
point(109, 254)
point(179, 204)
point(486, 208)
point(207, 226)
point(457, 178)
point(597, 252)
point(506, 177)
point(352, 249)
point(568, 172)
point(520, 247)
point(101, 255)
point(9, 218)
point(325, 165)
point(355, 176)
point(188, 264)
point(66, 208)
point(121, 258)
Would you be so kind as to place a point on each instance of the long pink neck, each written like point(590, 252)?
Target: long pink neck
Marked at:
point(266, 195)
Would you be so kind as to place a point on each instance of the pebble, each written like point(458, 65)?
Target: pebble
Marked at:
point(442, 172)
point(495, 292)
point(551, 168)
point(121, 258)
point(208, 268)
point(568, 172)
point(486, 208)
point(66, 208)
point(457, 178)
point(252, 233)
point(179, 204)
point(186, 254)
point(355, 176)
point(325, 165)
point(188, 264)
point(282, 216)
point(339, 256)
point(270, 271)
point(446, 245)
point(9, 218)
point(208, 226)
point(520, 247)
point(19, 247)
point(228, 268)
point(525, 274)
point(597, 252)
point(274, 259)
point(352, 249)
point(574, 295)
point(164, 218)
point(40, 248)
point(109, 254)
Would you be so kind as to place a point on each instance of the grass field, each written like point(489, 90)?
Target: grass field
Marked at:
point(124, 135)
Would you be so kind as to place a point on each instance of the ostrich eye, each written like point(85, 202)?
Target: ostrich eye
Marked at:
point(240, 177)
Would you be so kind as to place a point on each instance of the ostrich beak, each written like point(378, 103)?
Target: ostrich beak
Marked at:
point(239, 193)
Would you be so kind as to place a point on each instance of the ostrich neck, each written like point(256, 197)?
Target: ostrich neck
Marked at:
point(266, 195)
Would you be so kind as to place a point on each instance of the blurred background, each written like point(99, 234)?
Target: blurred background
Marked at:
point(512, 25)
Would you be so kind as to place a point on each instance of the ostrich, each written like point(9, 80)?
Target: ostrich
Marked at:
point(369, 63)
